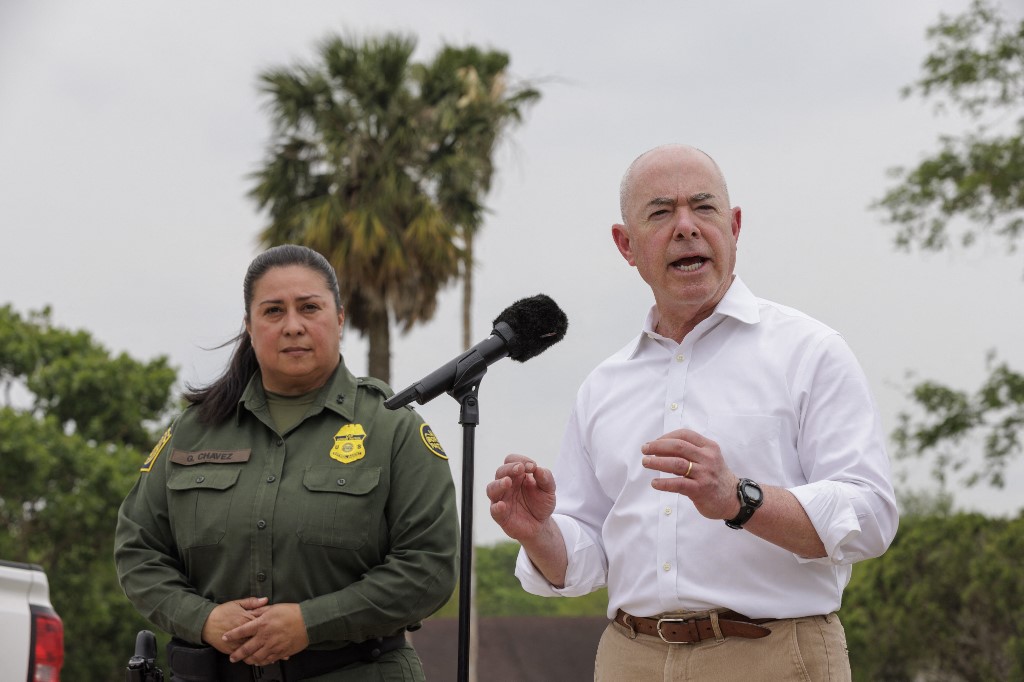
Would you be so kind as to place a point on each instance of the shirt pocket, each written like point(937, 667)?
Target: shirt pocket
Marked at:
point(338, 509)
point(750, 444)
point(199, 500)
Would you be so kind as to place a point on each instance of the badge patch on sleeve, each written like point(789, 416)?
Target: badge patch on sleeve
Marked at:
point(155, 452)
point(348, 443)
point(431, 441)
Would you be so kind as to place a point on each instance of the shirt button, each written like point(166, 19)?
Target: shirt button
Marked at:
point(200, 479)
point(261, 524)
point(680, 357)
point(280, 442)
point(271, 478)
point(674, 406)
point(261, 577)
point(668, 511)
point(341, 481)
point(666, 566)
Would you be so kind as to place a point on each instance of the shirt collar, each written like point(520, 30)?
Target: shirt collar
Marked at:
point(337, 395)
point(739, 303)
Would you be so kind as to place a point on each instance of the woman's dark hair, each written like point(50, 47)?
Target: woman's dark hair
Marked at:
point(216, 402)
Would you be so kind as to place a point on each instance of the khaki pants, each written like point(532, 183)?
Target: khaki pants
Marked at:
point(811, 649)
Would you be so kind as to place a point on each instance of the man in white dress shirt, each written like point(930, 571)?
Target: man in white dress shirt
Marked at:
point(720, 474)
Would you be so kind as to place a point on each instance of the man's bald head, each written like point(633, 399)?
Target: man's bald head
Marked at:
point(628, 179)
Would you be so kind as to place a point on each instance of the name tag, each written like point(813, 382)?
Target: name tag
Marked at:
point(210, 456)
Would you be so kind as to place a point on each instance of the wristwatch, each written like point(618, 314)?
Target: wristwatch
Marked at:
point(751, 497)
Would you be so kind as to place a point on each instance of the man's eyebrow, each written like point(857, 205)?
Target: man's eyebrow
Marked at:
point(692, 199)
point(661, 201)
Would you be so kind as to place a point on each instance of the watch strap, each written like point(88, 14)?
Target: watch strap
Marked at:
point(747, 506)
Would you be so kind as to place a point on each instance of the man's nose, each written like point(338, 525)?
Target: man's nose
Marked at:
point(685, 226)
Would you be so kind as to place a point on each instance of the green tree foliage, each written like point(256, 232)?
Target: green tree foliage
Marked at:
point(67, 459)
point(946, 602)
point(976, 181)
point(973, 185)
point(948, 423)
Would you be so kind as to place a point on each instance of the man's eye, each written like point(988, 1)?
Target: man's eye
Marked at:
point(659, 213)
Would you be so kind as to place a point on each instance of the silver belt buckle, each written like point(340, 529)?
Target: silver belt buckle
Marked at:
point(672, 620)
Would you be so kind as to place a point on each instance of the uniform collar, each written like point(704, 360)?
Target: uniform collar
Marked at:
point(337, 395)
point(738, 303)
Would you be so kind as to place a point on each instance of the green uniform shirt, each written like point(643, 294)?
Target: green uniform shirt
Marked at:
point(350, 513)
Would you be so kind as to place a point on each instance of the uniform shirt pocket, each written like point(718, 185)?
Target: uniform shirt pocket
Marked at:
point(199, 499)
point(750, 443)
point(339, 506)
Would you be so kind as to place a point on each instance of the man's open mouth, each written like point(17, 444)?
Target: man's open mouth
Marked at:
point(689, 264)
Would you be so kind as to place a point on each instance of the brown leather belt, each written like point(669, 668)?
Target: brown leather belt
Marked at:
point(692, 630)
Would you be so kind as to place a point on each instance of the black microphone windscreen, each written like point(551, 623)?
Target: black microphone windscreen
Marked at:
point(537, 323)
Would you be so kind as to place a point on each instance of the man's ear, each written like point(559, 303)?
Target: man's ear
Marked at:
point(621, 237)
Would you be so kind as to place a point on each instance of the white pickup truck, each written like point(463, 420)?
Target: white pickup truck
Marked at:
point(30, 630)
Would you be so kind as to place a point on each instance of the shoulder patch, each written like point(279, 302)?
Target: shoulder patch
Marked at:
point(155, 452)
point(431, 441)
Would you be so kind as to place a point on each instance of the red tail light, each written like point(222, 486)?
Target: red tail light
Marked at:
point(47, 646)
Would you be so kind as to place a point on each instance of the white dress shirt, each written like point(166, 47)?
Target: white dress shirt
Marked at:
point(787, 403)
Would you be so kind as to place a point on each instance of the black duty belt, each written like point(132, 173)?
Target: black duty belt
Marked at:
point(188, 662)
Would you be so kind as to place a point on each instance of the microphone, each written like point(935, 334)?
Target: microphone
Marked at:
point(522, 331)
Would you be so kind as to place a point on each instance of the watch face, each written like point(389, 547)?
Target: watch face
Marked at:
point(752, 492)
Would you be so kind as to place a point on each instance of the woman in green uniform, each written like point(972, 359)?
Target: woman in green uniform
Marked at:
point(287, 519)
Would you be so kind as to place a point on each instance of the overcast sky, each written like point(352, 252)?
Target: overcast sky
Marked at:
point(128, 130)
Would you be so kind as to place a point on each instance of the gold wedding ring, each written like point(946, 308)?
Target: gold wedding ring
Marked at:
point(687, 474)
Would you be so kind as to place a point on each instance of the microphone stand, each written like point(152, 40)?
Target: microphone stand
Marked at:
point(469, 417)
point(470, 370)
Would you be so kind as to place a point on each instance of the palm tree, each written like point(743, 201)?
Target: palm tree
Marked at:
point(473, 105)
point(345, 174)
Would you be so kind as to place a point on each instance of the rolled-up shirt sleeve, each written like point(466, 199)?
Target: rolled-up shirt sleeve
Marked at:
point(587, 569)
point(850, 526)
point(580, 512)
point(849, 496)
